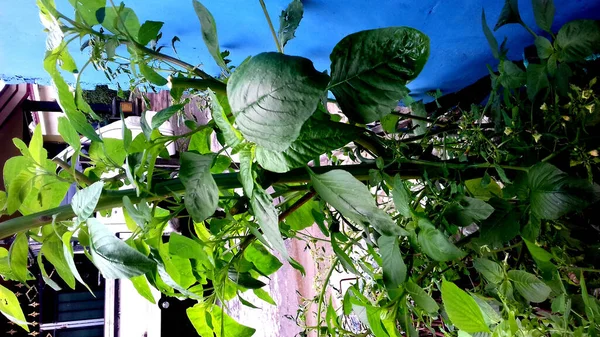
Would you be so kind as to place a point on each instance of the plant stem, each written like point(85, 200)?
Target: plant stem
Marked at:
point(166, 189)
point(591, 270)
point(264, 8)
point(76, 174)
point(200, 84)
point(322, 293)
point(297, 204)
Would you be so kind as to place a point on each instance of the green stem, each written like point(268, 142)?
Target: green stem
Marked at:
point(528, 29)
point(194, 83)
point(264, 8)
point(322, 293)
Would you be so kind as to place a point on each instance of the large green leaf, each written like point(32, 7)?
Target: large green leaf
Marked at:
point(543, 11)
point(421, 298)
point(489, 35)
point(435, 244)
point(66, 99)
point(343, 257)
point(537, 79)
point(289, 20)
point(491, 270)
point(91, 11)
point(272, 95)
point(462, 309)
point(232, 136)
point(213, 321)
point(316, 137)
point(468, 211)
point(69, 259)
point(151, 75)
point(529, 286)
point(121, 20)
point(553, 193)
point(113, 257)
point(352, 198)
point(52, 249)
point(84, 201)
point(266, 214)
point(402, 198)
point(577, 40)
point(201, 191)
point(140, 283)
point(68, 133)
point(164, 115)
point(394, 269)
point(544, 49)
point(263, 261)
point(148, 31)
point(186, 248)
point(109, 153)
point(369, 70)
point(484, 192)
point(511, 76)
point(18, 257)
point(209, 33)
point(11, 308)
point(502, 226)
point(509, 14)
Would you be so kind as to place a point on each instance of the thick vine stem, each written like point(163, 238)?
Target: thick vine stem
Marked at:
point(200, 84)
point(166, 189)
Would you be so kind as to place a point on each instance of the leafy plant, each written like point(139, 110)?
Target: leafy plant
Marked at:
point(455, 219)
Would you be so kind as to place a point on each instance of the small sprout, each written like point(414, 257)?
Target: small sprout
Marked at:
point(586, 94)
point(593, 153)
point(507, 131)
point(590, 107)
point(537, 136)
point(566, 118)
point(544, 107)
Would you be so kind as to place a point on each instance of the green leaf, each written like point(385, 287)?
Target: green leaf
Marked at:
point(289, 20)
point(529, 286)
point(91, 11)
point(344, 259)
point(402, 198)
point(207, 320)
point(11, 308)
point(421, 298)
point(316, 137)
point(468, 211)
point(52, 249)
point(263, 261)
point(543, 11)
point(389, 123)
point(462, 309)
point(538, 253)
point(420, 126)
point(85, 200)
point(553, 193)
point(544, 47)
point(68, 133)
point(245, 280)
point(121, 21)
point(375, 323)
point(201, 191)
point(164, 115)
point(201, 140)
point(208, 28)
point(272, 95)
point(491, 270)
point(148, 31)
point(502, 226)
point(151, 75)
point(264, 295)
point(68, 255)
point(141, 285)
point(113, 257)
point(45, 276)
point(370, 70)
point(36, 146)
point(577, 40)
point(489, 36)
point(537, 79)
point(232, 136)
point(511, 76)
point(246, 176)
point(18, 257)
point(435, 244)
point(176, 271)
point(266, 214)
point(478, 190)
point(394, 269)
point(302, 217)
point(509, 14)
point(66, 99)
point(109, 153)
point(352, 198)
point(186, 248)
point(490, 315)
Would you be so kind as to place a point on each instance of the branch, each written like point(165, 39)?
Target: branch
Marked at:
point(200, 84)
point(76, 174)
point(297, 205)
